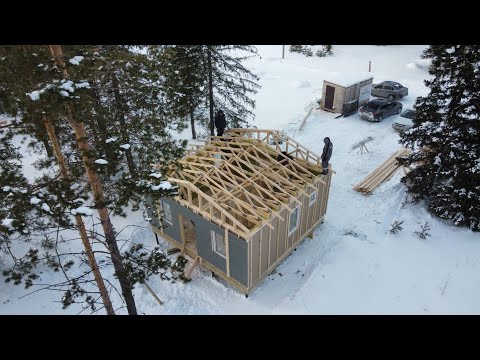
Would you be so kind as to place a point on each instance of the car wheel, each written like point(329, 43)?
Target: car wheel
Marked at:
point(390, 97)
point(380, 118)
point(399, 110)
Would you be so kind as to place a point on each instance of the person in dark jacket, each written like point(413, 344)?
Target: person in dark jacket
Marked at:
point(326, 154)
point(220, 122)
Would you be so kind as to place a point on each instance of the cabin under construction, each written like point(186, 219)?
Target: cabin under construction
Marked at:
point(245, 201)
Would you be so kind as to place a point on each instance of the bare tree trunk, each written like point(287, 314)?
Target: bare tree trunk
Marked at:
point(192, 123)
point(123, 127)
point(56, 147)
point(96, 186)
point(44, 139)
point(80, 224)
point(210, 89)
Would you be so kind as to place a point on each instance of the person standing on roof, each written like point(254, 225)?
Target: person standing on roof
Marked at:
point(220, 122)
point(326, 154)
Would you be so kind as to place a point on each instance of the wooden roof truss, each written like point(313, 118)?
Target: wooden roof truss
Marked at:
point(237, 182)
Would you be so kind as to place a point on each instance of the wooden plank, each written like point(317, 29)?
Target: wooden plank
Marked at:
point(269, 244)
point(152, 293)
point(382, 173)
point(227, 250)
point(172, 251)
point(283, 256)
point(260, 241)
point(182, 229)
point(188, 274)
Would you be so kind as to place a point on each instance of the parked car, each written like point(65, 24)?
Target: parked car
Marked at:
point(379, 109)
point(405, 121)
point(389, 89)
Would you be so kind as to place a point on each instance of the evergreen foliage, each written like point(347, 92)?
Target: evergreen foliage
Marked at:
point(445, 137)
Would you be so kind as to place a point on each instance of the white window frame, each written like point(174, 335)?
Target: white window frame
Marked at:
point(297, 208)
point(213, 234)
point(310, 201)
point(164, 217)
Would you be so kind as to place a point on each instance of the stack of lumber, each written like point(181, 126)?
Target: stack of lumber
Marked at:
point(381, 174)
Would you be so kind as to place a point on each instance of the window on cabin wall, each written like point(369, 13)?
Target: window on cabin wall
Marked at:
point(167, 213)
point(313, 198)
point(218, 244)
point(294, 220)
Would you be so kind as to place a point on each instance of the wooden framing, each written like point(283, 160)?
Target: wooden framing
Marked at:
point(248, 182)
point(382, 173)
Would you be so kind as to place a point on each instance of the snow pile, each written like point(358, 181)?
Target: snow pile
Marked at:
point(74, 186)
point(76, 60)
point(8, 223)
point(125, 146)
point(347, 78)
point(164, 185)
point(46, 208)
point(82, 210)
point(109, 140)
point(419, 64)
point(101, 161)
point(300, 84)
point(6, 188)
point(67, 85)
point(82, 85)
point(34, 200)
point(34, 95)
point(156, 175)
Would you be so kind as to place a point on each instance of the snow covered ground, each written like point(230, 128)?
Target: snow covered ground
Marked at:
point(353, 265)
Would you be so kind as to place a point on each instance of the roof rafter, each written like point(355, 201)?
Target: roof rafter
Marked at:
point(241, 180)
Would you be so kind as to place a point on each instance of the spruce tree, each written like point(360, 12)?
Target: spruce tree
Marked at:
point(232, 83)
point(184, 81)
point(302, 49)
point(445, 136)
point(213, 77)
point(326, 50)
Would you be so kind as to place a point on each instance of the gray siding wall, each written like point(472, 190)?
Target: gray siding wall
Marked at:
point(151, 208)
point(238, 251)
point(173, 230)
point(237, 246)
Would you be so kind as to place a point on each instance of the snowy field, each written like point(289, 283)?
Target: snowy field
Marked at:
point(353, 265)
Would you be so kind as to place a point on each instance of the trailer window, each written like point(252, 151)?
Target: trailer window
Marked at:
point(294, 220)
point(218, 244)
point(167, 213)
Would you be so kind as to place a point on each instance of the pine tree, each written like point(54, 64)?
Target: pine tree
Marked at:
point(117, 92)
point(135, 132)
point(25, 205)
point(445, 136)
point(96, 186)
